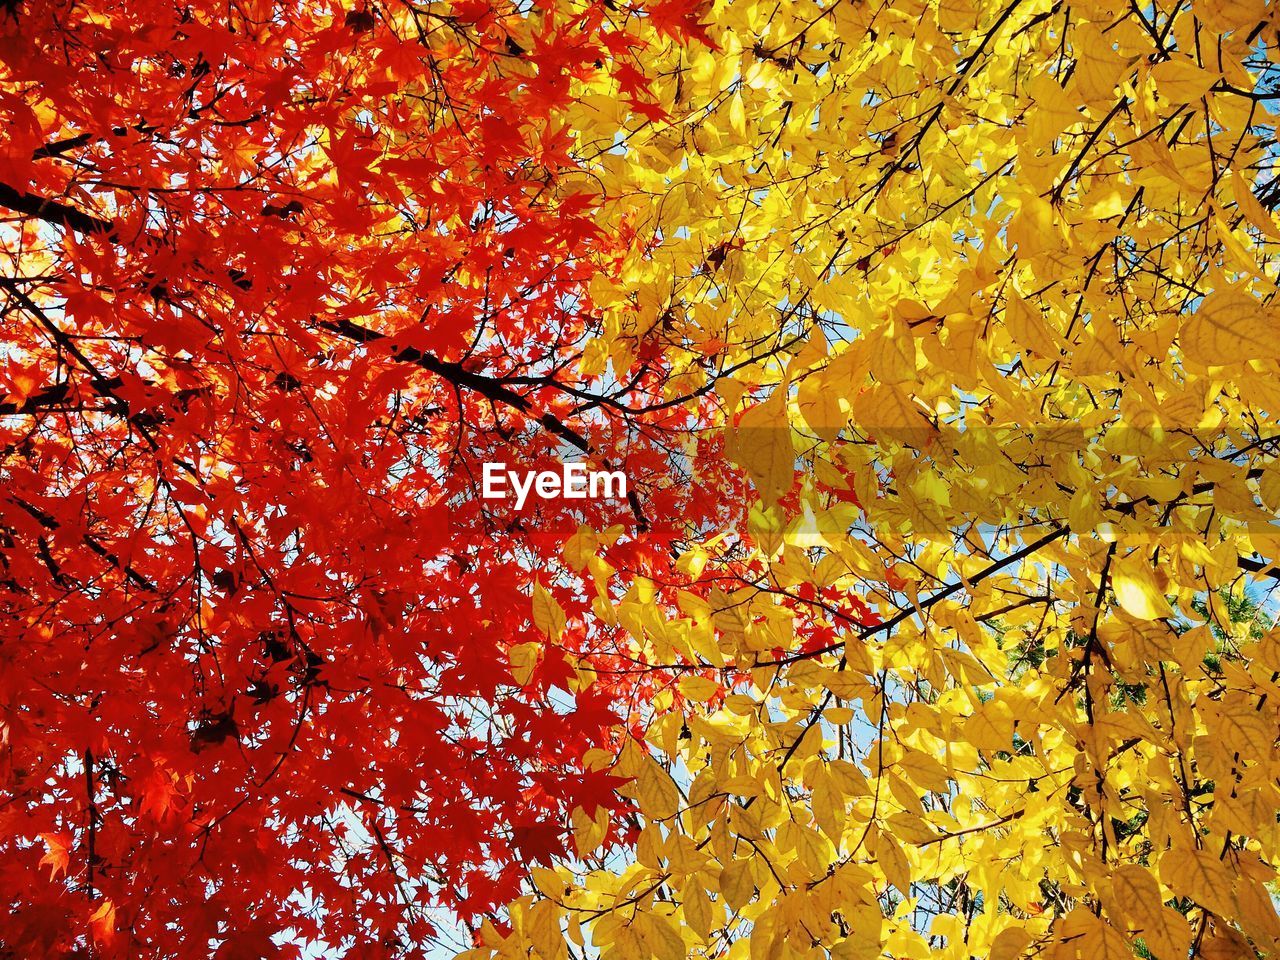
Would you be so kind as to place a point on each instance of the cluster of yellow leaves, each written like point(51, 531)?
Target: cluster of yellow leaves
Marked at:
point(1007, 273)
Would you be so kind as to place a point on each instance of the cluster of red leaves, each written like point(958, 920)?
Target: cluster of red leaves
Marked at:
point(279, 277)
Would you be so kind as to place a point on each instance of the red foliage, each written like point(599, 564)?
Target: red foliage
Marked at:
point(280, 277)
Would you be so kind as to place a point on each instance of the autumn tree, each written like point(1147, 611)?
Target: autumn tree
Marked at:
point(278, 280)
point(938, 343)
point(990, 670)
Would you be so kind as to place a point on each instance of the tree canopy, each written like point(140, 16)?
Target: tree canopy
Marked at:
point(938, 343)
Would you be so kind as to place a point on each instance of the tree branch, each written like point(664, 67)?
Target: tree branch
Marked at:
point(53, 212)
point(61, 215)
point(487, 387)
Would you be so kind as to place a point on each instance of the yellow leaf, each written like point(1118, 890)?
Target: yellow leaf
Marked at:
point(893, 862)
point(1228, 15)
point(699, 689)
point(1202, 877)
point(1241, 727)
point(848, 779)
point(524, 658)
point(1167, 935)
point(863, 941)
point(697, 910)
point(658, 794)
point(822, 407)
point(542, 926)
point(580, 548)
point(886, 410)
point(1180, 80)
point(589, 832)
point(911, 829)
point(762, 444)
point(1137, 894)
point(1136, 590)
point(1028, 329)
point(660, 936)
point(828, 807)
point(1054, 109)
point(547, 614)
point(1253, 210)
point(924, 770)
point(1230, 326)
point(1258, 916)
point(1136, 891)
point(1098, 65)
point(1009, 944)
point(547, 881)
point(737, 885)
point(1226, 944)
point(1090, 937)
point(737, 115)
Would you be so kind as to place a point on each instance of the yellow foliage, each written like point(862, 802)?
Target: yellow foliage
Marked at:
point(1005, 275)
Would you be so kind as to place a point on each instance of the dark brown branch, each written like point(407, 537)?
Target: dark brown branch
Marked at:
point(54, 396)
point(488, 387)
point(870, 631)
point(457, 374)
point(58, 147)
point(58, 214)
point(49, 522)
point(1267, 568)
point(93, 818)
